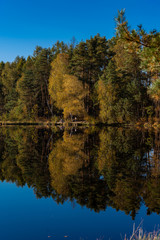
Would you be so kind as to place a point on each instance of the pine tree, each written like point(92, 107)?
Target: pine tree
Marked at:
point(41, 73)
point(27, 89)
point(108, 94)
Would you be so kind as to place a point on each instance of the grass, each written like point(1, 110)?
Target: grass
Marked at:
point(139, 234)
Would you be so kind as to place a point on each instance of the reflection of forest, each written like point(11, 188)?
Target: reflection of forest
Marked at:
point(114, 167)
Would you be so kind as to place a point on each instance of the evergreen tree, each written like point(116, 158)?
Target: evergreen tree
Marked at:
point(42, 68)
point(10, 75)
point(2, 64)
point(27, 89)
point(108, 94)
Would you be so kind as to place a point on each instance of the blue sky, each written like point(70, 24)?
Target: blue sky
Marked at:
point(25, 24)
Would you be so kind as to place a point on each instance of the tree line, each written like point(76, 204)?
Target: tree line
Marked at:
point(102, 80)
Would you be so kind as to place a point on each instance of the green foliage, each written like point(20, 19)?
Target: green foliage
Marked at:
point(27, 89)
point(87, 63)
point(154, 90)
point(108, 91)
point(41, 71)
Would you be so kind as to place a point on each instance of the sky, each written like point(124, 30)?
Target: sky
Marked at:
point(25, 24)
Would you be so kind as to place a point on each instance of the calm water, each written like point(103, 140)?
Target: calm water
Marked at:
point(78, 183)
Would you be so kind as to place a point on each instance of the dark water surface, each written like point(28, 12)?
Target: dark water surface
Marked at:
point(78, 183)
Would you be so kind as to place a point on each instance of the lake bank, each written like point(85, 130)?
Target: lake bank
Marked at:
point(44, 123)
point(146, 125)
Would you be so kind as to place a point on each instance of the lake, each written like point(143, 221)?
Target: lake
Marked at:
point(76, 183)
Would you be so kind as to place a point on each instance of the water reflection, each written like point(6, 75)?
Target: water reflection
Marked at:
point(114, 167)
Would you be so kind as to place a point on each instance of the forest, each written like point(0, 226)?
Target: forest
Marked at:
point(98, 80)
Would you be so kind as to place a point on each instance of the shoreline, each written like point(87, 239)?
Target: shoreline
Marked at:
point(44, 123)
point(146, 125)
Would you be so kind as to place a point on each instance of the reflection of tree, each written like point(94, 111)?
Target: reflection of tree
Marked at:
point(9, 169)
point(24, 160)
point(32, 160)
point(154, 158)
point(66, 158)
point(115, 167)
point(127, 195)
point(74, 175)
point(151, 194)
point(121, 163)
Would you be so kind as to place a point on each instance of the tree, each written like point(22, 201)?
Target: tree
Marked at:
point(154, 92)
point(55, 86)
point(88, 62)
point(41, 70)
point(10, 75)
point(108, 94)
point(73, 97)
point(66, 90)
point(2, 64)
point(27, 89)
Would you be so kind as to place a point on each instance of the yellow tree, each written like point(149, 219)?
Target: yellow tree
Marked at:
point(56, 79)
point(73, 97)
point(66, 90)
